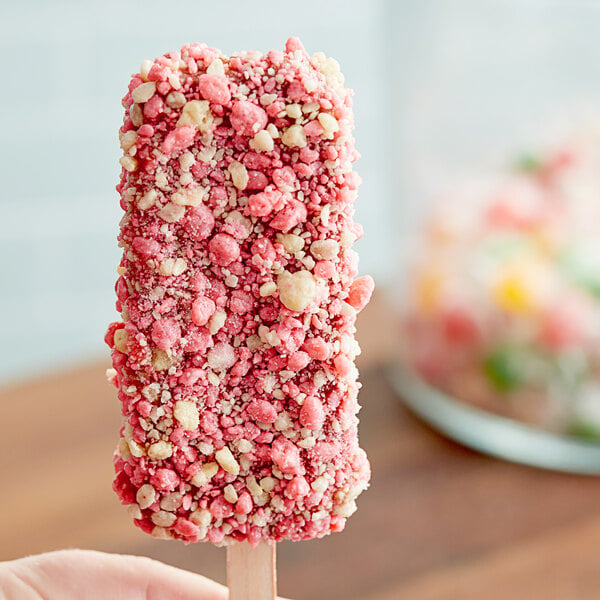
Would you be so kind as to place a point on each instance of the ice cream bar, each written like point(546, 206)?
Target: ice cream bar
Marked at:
point(238, 296)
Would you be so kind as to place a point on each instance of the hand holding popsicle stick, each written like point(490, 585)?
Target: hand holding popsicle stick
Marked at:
point(78, 574)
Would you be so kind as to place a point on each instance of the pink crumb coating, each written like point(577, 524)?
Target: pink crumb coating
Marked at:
point(234, 359)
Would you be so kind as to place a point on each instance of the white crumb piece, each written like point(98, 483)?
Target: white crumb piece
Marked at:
point(262, 141)
point(189, 196)
point(198, 114)
point(201, 517)
point(161, 180)
point(244, 446)
point(136, 115)
point(346, 509)
point(253, 342)
point(163, 518)
point(144, 92)
point(221, 356)
point(226, 459)
point(291, 242)
point(171, 213)
point(205, 474)
point(160, 450)
point(129, 163)
point(147, 200)
point(171, 502)
point(128, 139)
point(324, 249)
point(175, 99)
point(294, 111)
point(267, 99)
point(294, 137)
point(267, 289)
point(179, 267)
point(320, 484)
point(310, 107)
point(329, 124)
point(111, 374)
point(230, 494)
point(239, 175)
point(268, 483)
point(186, 412)
point(272, 130)
point(216, 322)
point(216, 67)
point(134, 512)
point(145, 496)
point(136, 449)
point(145, 69)
point(186, 160)
point(296, 290)
point(283, 421)
point(120, 338)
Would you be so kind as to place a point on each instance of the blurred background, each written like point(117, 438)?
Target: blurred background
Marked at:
point(446, 92)
point(440, 86)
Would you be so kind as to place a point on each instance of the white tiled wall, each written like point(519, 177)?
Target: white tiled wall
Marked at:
point(65, 67)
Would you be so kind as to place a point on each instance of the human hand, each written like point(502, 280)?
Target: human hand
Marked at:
point(90, 575)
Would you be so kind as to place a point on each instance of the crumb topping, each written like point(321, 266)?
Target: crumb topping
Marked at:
point(234, 356)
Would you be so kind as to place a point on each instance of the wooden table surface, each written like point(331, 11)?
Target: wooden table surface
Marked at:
point(439, 521)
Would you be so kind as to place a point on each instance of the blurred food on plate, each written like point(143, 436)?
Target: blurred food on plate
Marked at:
point(502, 308)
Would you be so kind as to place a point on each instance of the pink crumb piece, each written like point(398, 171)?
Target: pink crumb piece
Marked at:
point(325, 269)
point(360, 292)
point(186, 528)
point(199, 223)
point(308, 155)
point(223, 249)
point(220, 508)
point(146, 248)
point(312, 415)
point(153, 107)
point(146, 130)
point(221, 357)
point(298, 361)
point(178, 140)
point(165, 333)
point(262, 411)
point(286, 456)
point(297, 488)
point(257, 180)
point(293, 214)
point(317, 348)
point(202, 310)
point(244, 504)
point(264, 203)
point(241, 302)
point(343, 365)
point(216, 535)
point(285, 179)
point(313, 129)
point(214, 88)
point(247, 118)
point(165, 480)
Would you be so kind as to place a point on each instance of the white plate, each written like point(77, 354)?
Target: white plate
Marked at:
point(491, 433)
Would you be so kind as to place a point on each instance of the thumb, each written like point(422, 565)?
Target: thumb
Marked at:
point(90, 575)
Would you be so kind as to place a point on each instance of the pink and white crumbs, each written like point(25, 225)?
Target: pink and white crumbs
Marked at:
point(234, 357)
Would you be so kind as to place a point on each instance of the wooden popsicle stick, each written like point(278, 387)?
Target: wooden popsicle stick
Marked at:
point(251, 572)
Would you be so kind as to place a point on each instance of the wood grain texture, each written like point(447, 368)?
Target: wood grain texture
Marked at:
point(251, 573)
point(439, 521)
